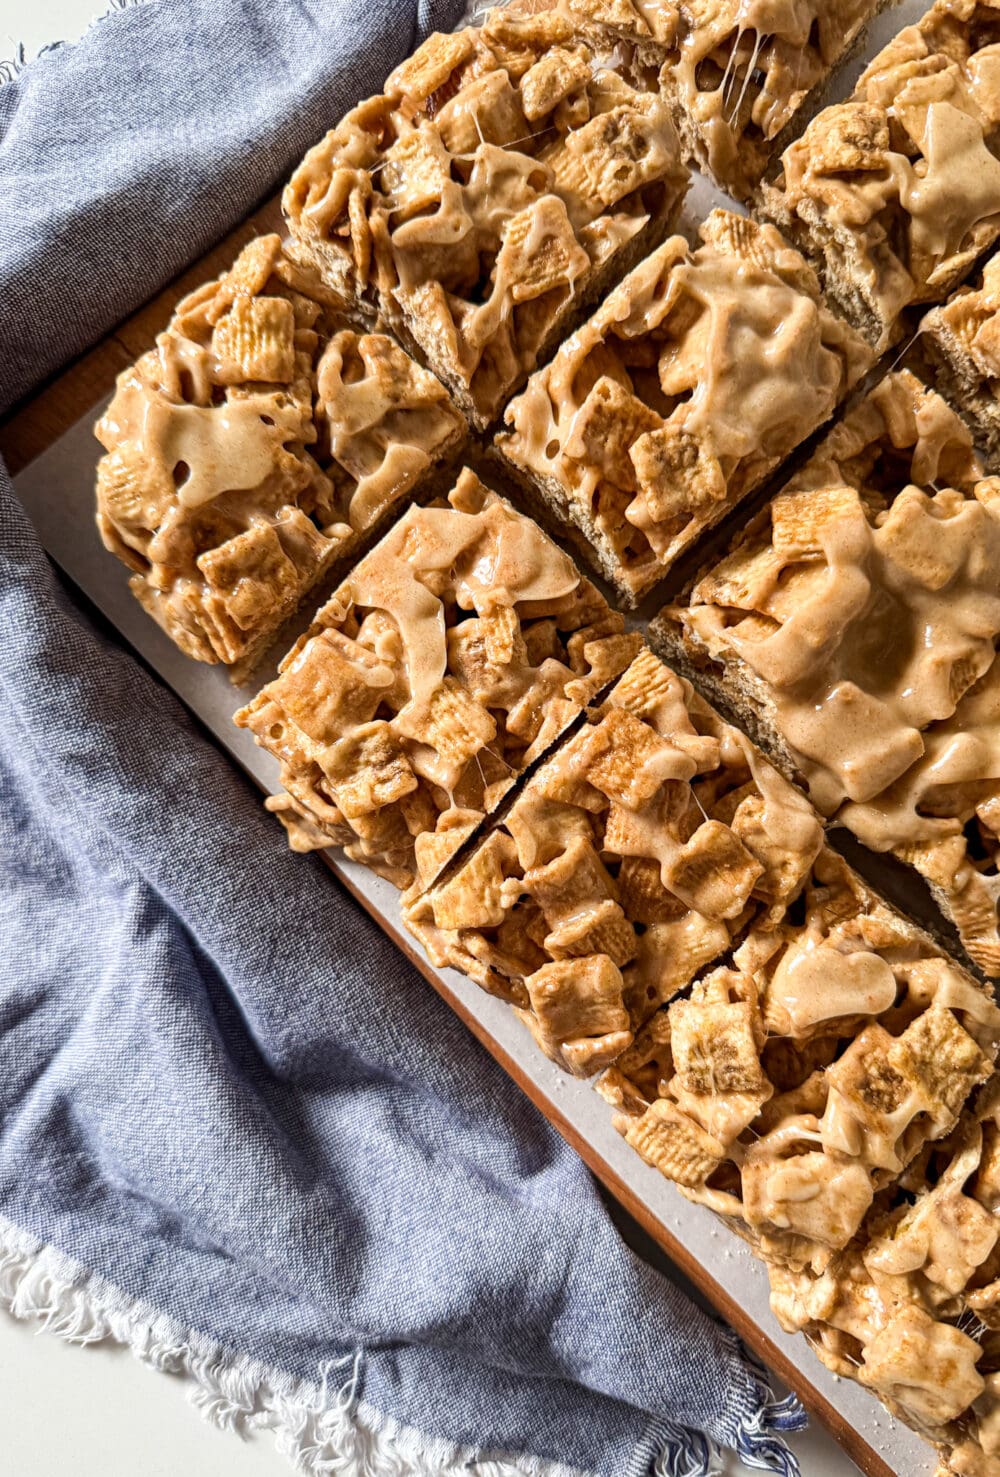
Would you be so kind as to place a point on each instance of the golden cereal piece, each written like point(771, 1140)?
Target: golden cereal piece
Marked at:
point(577, 1008)
point(368, 769)
point(923, 1365)
point(430, 66)
point(674, 1145)
point(555, 76)
point(540, 253)
point(713, 872)
point(255, 340)
point(677, 473)
point(853, 136)
point(714, 1048)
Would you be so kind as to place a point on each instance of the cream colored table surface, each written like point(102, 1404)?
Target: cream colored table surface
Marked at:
point(96, 1412)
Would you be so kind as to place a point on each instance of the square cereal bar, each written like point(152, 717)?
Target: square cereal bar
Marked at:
point(630, 860)
point(911, 1308)
point(790, 1086)
point(448, 660)
point(853, 626)
point(736, 72)
point(894, 193)
point(505, 177)
point(694, 379)
point(250, 448)
point(962, 341)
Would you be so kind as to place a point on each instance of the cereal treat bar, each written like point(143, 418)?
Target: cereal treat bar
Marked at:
point(894, 193)
point(911, 1308)
point(694, 379)
point(496, 187)
point(630, 860)
point(787, 1088)
point(250, 448)
point(452, 656)
point(736, 72)
point(853, 627)
point(962, 340)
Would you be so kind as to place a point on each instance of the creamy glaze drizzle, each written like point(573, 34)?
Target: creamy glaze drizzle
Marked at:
point(227, 448)
point(492, 558)
point(870, 658)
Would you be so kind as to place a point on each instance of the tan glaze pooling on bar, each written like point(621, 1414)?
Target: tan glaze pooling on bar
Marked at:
point(249, 449)
point(698, 375)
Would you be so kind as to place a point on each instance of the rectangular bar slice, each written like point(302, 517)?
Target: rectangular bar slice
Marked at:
point(690, 384)
point(853, 627)
point(253, 446)
point(962, 340)
point(630, 860)
point(894, 193)
point(502, 180)
point(737, 72)
point(450, 658)
point(911, 1309)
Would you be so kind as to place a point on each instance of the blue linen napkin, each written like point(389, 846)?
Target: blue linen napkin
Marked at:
point(237, 1131)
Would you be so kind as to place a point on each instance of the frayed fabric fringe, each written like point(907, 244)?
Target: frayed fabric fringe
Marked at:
point(13, 66)
point(759, 1439)
point(321, 1427)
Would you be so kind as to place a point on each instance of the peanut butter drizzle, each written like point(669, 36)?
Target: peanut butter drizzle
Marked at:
point(399, 469)
point(963, 750)
point(227, 448)
point(815, 982)
point(865, 664)
point(491, 559)
point(956, 155)
point(788, 818)
point(766, 367)
point(384, 427)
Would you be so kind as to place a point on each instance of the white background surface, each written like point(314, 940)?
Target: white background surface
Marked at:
point(96, 1412)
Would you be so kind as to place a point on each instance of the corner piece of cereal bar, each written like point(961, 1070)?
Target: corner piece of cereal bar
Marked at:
point(629, 861)
point(504, 178)
point(895, 192)
point(452, 655)
point(693, 381)
point(253, 446)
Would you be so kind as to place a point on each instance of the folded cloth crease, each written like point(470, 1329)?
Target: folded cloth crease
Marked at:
point(229, 1109)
